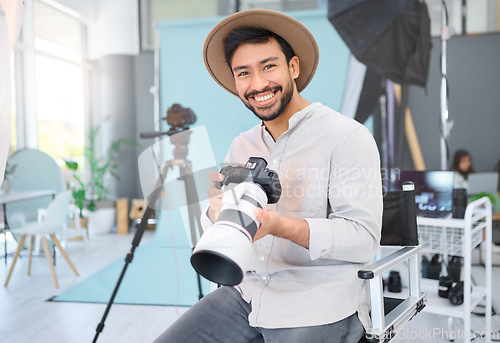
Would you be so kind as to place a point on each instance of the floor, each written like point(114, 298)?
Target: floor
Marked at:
point(27, 316)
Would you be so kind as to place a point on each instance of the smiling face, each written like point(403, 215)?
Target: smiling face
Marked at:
point(264, 80)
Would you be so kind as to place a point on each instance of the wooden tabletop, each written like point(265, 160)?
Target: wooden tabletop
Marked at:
point(496, 216)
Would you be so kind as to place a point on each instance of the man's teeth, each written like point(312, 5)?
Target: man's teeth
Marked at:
point(264, 98)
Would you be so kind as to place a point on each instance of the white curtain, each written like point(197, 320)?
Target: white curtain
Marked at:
point(11, 18)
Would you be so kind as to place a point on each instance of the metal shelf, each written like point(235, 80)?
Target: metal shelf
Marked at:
point(458, 237)
point(437, 305)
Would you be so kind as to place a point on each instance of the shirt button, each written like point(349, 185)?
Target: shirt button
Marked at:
point(264, 277)
point(275, 161)
point(262, 258)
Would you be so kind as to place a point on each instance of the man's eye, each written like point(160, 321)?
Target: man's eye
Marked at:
point(269, 66)
point(243, 73)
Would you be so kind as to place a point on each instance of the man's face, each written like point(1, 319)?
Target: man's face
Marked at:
point(265, 82)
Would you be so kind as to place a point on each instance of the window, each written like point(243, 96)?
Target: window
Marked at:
point(13, 135)
point(60, 79)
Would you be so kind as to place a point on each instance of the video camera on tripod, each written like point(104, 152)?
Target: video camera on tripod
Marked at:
point(179, 118)
point(223, 251)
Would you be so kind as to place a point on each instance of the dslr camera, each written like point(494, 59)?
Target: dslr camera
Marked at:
point(255, 171)
point(223, 252)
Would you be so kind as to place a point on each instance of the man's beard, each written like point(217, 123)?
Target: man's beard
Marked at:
point(285, 99)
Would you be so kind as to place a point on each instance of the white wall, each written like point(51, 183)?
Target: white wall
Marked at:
point(113, 25)
point(86, 9)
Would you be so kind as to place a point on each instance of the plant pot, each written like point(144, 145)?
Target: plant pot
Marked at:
point(101, 221)
point(84, 223)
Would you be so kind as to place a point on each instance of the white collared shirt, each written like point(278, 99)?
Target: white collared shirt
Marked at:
point(329, 170)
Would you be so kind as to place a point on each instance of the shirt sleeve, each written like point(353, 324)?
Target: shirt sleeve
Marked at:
point(204, 219)
point(352, 230)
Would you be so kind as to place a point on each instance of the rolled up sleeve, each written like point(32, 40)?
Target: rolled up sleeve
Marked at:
point(352, 230)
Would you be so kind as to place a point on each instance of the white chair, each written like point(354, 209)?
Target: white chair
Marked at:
point(52, 224)
point(399, 229)
point(46, 175)
point(78, 231)
point(66, 233)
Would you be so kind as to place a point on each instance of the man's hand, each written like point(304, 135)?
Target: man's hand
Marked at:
point(214, 196)
point(295, 230)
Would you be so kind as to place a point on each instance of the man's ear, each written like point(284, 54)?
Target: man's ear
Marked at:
point(294, 67)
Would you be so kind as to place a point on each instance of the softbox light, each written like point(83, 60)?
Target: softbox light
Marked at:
point(392, 37)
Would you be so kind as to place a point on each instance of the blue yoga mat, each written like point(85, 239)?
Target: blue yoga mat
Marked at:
point(159, 274)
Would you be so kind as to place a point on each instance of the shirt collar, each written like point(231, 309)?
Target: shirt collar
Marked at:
point(292, 122)
point(298, 116)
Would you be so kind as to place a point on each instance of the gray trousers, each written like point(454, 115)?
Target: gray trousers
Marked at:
point(222, 316)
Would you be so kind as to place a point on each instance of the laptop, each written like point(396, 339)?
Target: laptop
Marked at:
point(482, 182)
point(433, 190)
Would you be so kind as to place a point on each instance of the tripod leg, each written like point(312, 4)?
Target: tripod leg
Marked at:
point(137, 238)
point(194, 211)
point(192, 201)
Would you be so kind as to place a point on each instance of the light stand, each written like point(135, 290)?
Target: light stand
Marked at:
point(180, 142)
point(446, 125)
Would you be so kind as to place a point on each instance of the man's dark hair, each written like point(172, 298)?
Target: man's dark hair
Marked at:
point(253, 35)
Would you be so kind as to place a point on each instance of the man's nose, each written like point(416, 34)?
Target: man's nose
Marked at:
point(259, 82)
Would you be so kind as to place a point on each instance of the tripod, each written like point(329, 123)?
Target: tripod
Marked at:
point(180, 142)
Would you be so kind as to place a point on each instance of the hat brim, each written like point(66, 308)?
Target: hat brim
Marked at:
point(291, 30)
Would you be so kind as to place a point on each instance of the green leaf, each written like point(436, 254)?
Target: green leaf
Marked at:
point(72, 165)
point(484, 194)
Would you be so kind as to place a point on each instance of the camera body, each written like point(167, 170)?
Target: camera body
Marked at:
point(224, 250)
point(256, 171)
point(179, 117)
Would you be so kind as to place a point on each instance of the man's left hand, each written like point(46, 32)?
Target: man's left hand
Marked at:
point(295, 230)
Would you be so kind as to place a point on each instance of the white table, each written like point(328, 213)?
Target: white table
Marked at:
point(16, 196)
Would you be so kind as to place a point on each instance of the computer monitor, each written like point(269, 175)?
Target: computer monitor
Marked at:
point(433, 190)
point(482, 182)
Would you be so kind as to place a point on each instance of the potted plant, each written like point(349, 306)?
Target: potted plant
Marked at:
point(102, 166)
point(103, 211)
point(77, 187)
point(91, 195)
point(492, 198)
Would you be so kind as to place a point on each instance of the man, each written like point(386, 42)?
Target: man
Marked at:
point(302, 284)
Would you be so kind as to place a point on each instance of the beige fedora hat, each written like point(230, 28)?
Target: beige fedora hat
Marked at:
point(294, 32)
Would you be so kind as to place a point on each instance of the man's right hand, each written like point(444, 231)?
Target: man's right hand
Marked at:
point(214, 196)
